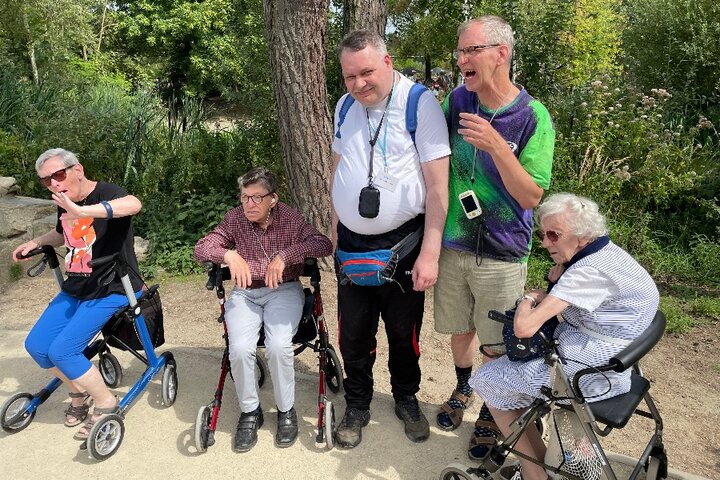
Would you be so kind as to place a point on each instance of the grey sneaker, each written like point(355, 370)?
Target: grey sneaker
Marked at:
point(407, 409)
point(349, 431)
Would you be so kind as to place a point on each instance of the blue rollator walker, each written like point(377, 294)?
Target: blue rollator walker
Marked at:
point(106, 435)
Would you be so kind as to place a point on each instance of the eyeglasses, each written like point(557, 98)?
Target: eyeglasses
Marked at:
point(551, 235)
point(472, 50)
point(255, 198)
point(58, 176)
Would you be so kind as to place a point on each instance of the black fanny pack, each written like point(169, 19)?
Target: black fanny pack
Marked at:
point(521, 349)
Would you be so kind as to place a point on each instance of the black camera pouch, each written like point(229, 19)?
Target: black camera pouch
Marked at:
point(369, 204)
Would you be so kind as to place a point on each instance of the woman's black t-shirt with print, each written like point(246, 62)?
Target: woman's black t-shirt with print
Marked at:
point(88, 238)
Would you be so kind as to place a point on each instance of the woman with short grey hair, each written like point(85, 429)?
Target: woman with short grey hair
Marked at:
point(607, 300)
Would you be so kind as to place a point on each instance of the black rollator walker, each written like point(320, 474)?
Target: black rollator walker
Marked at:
point(574, 451)
point(312, 333)
point(128, 330)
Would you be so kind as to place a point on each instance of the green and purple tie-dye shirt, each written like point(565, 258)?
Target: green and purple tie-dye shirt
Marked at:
point(526, 126)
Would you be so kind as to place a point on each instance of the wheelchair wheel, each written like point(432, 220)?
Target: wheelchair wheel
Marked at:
point(105, 437)
point(458, 471)
point(333, 371)
point(110, 370)
point(13, 417)
point(329, 424)
point(260, 371)
point(202, 428)
point(169, 383)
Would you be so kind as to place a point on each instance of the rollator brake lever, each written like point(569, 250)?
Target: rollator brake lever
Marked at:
point(38, 268)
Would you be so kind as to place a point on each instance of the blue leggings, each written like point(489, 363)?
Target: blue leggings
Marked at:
point(65, 328)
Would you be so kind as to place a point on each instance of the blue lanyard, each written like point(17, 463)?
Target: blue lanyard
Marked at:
point(374, 137)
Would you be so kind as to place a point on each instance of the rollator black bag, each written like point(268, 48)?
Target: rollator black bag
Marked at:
point(120, 329)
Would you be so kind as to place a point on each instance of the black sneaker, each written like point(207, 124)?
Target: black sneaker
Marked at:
point(246, 434)
point(417, 427)
point(349, 432)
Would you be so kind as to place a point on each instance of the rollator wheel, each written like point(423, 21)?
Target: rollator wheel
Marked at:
point(13, 417)
point(110, 370)
point(105, 437)
point(458, 471)
point(333, 371)
point(169, 383)
point(329, 424)
point(202, 428)
point(657, 466)
point(260, 371)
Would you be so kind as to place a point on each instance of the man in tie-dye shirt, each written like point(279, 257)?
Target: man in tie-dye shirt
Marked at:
point(502, 142)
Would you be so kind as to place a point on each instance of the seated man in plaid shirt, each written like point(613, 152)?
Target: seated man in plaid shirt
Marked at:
point(265, 243)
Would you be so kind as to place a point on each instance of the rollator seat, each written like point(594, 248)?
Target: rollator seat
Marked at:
point(617, 411)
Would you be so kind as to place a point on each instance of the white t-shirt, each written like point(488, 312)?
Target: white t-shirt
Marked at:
point(585, 287)
point(395, 154)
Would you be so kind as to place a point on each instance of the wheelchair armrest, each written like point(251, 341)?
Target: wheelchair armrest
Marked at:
point(631, 354)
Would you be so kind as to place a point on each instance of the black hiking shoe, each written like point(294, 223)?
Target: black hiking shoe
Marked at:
point(349, 432)
point(407, 409)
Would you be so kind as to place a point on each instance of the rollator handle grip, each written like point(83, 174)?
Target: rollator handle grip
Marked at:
point(99, 262)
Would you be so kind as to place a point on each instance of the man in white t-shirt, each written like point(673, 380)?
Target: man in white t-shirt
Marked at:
point(386, 186)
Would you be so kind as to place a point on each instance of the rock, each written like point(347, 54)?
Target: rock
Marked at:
point(8, 186)
point(18, 214)
point(141, 247)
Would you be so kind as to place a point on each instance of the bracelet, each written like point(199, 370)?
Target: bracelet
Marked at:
point(108, 209)
point(533, 302)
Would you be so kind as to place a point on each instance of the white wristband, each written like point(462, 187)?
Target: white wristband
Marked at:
point(533, 302)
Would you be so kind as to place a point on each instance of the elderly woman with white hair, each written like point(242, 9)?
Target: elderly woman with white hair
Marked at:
point(606, 299)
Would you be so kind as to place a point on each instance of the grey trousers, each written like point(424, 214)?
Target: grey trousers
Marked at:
point(279, 311)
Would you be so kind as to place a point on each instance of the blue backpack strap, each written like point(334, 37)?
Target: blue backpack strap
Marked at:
point(347, 103)
point(411, 118)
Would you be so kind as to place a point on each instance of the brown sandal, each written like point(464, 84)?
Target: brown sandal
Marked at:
point(482, 440)
point(99, 412)
point(454, 414)
point(79, 412)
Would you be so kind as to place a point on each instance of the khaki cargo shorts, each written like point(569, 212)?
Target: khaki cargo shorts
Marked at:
point(464, 293)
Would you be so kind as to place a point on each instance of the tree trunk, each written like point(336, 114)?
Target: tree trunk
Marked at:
point(30, 45)
point(102, 28)
point(365, 14)
point(295, 31)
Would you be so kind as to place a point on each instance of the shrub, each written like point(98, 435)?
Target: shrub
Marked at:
point(677, 320)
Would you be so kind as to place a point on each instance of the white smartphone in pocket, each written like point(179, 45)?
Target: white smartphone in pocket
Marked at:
point(470, 204)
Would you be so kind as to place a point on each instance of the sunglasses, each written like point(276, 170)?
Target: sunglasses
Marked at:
point(58, 176)
point(551, 235)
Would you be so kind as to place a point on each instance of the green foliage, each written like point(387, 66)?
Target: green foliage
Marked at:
point(706, 307)
point(618, 147)
point(16, 272)
point(174, 223)
point(673, 44)
point(209, 47)
point(677, 320)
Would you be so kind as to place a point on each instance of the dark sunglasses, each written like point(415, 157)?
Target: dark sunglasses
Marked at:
point(551, 235)
point(58, 176)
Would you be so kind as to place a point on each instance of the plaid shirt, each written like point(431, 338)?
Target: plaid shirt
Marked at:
point(289, 236)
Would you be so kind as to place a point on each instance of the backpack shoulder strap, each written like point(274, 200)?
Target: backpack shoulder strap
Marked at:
point(347, 103)
point(411, 109)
